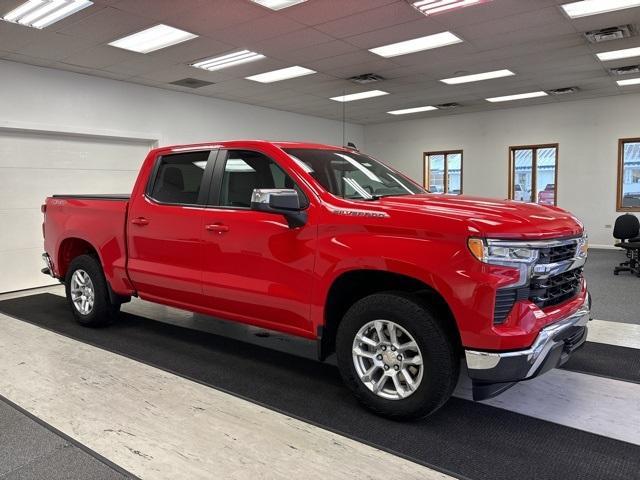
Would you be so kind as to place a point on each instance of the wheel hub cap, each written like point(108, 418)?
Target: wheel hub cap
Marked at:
point(387, 359)
point(82, 292)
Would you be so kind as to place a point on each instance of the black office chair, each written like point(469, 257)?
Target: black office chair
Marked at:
point(627, 230)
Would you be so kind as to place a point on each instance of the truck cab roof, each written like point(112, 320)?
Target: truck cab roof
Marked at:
point(250, 143)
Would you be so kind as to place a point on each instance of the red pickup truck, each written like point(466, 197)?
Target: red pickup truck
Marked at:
point(332, 245)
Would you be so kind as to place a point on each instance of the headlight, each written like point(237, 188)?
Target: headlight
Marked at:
point(507, 254)
point(496, 252)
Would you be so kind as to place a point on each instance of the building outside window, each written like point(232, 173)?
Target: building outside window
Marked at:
point(533, 171)
point(628, 174)
point(443, 172)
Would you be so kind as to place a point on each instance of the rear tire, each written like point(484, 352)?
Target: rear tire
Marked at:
point(87, 293)
point(379, 329)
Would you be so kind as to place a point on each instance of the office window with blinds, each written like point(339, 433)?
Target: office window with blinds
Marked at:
point(533, 174)
point(443, 172)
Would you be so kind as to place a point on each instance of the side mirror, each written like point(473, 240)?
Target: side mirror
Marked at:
point(282, 201)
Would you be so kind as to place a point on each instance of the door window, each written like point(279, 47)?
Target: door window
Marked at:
point(245, 171)
point(179, 178)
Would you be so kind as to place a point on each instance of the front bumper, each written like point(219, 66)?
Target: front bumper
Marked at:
point(494, 372)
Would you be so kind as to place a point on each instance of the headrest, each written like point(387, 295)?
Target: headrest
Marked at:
point(173, 177)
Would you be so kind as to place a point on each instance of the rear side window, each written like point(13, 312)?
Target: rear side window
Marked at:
point(178, 178)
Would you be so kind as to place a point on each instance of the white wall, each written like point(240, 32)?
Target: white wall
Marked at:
point(587, 131)
point(63, 132)
point(36, 97)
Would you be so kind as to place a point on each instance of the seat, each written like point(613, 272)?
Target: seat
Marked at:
point(627, 230)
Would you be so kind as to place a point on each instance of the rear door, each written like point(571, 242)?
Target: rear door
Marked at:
point(165, 227)
point(255, 268)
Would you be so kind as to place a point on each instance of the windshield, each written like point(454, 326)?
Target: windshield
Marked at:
point(352, 175)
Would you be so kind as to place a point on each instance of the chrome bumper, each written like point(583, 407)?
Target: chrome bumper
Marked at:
point(494, 372)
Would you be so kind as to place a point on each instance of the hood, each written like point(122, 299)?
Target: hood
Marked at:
point(490, 217)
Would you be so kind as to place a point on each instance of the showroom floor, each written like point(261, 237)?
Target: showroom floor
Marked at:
point(163, 401)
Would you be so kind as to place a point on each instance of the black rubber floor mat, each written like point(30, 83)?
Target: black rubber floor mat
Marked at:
point(612, 361)
point(464, 439)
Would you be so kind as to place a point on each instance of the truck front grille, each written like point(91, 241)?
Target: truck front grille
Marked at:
point(543, 292)
point(555, 290)
point(557, 253)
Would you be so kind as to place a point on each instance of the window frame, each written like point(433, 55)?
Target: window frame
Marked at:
point(426, 169)
point(534, 169)
point(205, 182)
point(620, 173)
point(215, 189)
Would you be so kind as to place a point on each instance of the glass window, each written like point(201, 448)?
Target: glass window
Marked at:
point(179, 178)
point(443, 172)
point(629, 175)
point(245, 171)
point(352, 175)
point(533, 172)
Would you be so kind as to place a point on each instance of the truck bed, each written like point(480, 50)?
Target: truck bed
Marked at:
point(77, 224)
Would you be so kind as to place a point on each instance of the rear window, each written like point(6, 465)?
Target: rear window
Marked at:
point(179, 178)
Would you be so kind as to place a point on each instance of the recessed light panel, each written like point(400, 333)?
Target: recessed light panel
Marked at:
point(412, 110)
point(478, 77)
point(277, 4)
point(594, 7)
point(42, 13)
point(230, 60)
point(282, 74)
point(416, 45)
point(520, 96)
point(630, 81)
point(359, 96)
point(431, 7)
point(152, 39)
point(618, 54)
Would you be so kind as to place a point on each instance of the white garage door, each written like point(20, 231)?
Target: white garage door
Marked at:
point(34, 166)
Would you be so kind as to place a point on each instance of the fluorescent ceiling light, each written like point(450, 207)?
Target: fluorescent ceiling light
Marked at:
point(412, 110)
point(230, 60)
point(594, 7)
point(282, 74)
point(629, 81)
point(416, 45)
point(152, 39)
point(42, 13)
point(359, 96)
point(618, 54)
point(277, 4)
point(520, 96)
point(478, 77)
point(430, 7)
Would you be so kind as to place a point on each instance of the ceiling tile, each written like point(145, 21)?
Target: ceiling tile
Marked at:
point(369, 20)
point(322, 11)
point(106, 25)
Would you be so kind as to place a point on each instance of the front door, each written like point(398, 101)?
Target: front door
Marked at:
point(256, 269)
point(165, 229)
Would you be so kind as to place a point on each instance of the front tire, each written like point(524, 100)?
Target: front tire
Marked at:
point(396, 356)
point(87, 293)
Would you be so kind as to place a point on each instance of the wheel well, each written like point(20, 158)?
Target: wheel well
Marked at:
point(71, 248)
point(352, 286)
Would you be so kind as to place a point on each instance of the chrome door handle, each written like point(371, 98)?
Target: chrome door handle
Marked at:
point(217, 228)
point(141, 221)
